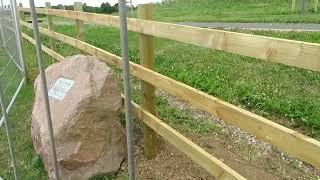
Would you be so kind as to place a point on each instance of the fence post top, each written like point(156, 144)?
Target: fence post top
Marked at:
point(145, 11)
point(78, 6)
point(146, 5)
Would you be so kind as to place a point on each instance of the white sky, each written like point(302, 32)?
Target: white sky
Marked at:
point(69, 2)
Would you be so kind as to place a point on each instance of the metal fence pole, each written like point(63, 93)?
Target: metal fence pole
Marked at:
point(1, 25)
point(9, 135)
point(127, 86)
point(16, 19)
point(44, 86)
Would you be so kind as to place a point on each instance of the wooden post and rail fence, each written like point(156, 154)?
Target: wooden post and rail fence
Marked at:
point(147, 59)
point(79, 23)
point(294, 53)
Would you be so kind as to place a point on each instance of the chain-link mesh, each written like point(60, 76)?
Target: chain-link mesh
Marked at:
point(11, 63)
point(12, 73)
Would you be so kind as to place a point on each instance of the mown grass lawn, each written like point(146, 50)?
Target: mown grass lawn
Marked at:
point(20, 121)
point(278, 92)
point(10, 75)
point(30, 164)
point(234, 11)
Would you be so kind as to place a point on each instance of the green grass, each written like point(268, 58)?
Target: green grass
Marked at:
point(20, 121)
point(10, 76)
point(273, 90)
point(30, 164)
point(233, 11)
point(279, 92)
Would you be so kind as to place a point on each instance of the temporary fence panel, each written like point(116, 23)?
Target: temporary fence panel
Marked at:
point(12, 71)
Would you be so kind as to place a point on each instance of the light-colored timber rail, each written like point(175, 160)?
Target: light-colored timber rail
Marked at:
point(47, 50)
point(290, 141)
point(289, 52)
point(196, 153)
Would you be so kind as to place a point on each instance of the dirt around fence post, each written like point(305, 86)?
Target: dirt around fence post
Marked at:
point(79, 24)
point(147, 60)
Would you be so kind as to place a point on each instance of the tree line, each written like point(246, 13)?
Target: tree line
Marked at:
point(105, 8)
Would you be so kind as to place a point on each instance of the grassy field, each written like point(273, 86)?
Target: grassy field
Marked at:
point(279, 92)
point(10, 77)
point(234, 11)
point(284, 94)
point(30, 164)
point(20, 121)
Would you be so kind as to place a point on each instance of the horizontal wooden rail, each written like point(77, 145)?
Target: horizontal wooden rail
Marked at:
point(289, 52)
point(290, 141)
point(196, 153)
point(50, 52)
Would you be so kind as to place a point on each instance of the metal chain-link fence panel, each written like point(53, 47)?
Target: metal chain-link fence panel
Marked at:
point(12, 73)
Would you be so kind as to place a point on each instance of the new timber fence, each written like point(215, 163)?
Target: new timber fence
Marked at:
point(293, 53)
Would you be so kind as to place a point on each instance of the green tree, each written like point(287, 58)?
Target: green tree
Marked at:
point(106, 8)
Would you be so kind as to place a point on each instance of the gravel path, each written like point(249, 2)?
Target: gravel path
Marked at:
point(256, 26)
point(247, 148)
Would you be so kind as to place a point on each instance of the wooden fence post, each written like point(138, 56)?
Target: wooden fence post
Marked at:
point(293, 5)
point(23, 18)
point(147, 59)
point(79, 23)
point(304, 7)
point(50, 27)
point(21, 13)
point(315, 5)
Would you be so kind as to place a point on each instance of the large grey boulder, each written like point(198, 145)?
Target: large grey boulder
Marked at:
point(88, 135)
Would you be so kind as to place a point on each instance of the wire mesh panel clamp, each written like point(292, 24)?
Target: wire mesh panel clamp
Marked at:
point(127, 86)
point(44, 86)
point(9, 135)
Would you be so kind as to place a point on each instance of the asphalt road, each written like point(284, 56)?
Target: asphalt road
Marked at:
point(220, 25)
point(256, 26)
